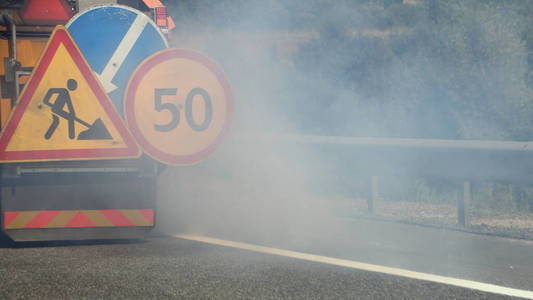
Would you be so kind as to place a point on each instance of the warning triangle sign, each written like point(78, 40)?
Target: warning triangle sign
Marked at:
point(63, 113)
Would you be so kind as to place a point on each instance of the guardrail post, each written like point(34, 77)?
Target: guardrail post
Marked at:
point(462, 203)
point(374, 194)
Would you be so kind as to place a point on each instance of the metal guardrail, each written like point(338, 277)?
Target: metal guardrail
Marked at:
point(462, 160)
point(396, 142)
point(500, 161)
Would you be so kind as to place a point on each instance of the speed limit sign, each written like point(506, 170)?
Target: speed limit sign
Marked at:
point(178, 105)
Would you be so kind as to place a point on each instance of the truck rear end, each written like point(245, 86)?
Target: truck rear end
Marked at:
point(63, 200)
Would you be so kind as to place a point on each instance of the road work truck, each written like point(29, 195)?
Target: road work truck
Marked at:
point(91, 111)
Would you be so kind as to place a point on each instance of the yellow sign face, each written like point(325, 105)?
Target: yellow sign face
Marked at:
point(63, 113)
point(178, 105)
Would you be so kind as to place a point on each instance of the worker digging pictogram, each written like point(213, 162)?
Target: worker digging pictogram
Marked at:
point(95, 131)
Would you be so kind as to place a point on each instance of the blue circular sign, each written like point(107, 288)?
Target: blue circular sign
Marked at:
point(115, 39)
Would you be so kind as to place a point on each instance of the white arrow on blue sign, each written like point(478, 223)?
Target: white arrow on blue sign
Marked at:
point(115, 40)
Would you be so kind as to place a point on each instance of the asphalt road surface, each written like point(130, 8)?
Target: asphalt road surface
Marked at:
point(170, 267)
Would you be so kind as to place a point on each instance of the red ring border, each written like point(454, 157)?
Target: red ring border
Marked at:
point(129, 111)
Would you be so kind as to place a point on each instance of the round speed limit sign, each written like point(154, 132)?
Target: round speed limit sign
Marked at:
point(178, 105)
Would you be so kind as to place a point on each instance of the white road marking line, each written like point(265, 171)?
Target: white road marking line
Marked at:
point(469, 284)
point(123, 49)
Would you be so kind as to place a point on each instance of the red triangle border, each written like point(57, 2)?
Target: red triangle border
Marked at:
point(61, 36)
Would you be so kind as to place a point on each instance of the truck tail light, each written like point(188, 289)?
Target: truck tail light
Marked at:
point(160, 17)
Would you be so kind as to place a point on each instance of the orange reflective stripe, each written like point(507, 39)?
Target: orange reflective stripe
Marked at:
point(116, 217)
point(21, 220)
point(136, 217)
point(9, 217)
point(61, 219)
point(42, 219)
point(148, 214)
point(78, 218)
point(98, 218)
